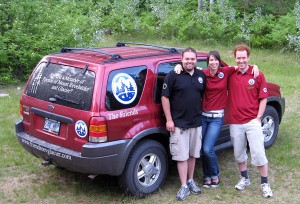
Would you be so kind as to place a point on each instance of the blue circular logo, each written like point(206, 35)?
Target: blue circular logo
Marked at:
point(81, 128)
point(251, 81)
point(124, 88)
point(221, 75)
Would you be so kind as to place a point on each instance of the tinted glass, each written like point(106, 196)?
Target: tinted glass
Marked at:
point(202, 64)
point(125, 87)
point(163, 70)
point(64, 85)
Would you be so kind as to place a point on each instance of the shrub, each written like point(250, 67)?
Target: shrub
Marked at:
point(35, 28)
point(294, 39)
point(30, 29)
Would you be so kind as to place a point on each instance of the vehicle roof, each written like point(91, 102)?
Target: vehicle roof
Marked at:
point(122, 51)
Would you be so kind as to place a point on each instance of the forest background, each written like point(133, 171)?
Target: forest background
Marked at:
point(30, 29)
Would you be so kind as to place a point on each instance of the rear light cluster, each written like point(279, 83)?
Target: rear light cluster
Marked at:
point(21, 109)
point(97, 130)
point(24, 111)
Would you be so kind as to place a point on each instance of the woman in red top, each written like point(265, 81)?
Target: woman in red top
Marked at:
point(213, 105)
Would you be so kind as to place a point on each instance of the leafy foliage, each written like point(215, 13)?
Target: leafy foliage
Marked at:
point(294, 39)
point(32, 28)
point(273, 7)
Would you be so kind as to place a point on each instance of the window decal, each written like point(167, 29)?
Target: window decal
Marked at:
point(124, 88)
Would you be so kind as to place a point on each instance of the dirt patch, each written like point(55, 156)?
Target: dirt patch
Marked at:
point(12, 185)
point(4, 95)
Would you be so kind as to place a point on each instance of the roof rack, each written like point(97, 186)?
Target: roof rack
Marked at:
point(117, 57)
point(170, 49)
point(113, 56)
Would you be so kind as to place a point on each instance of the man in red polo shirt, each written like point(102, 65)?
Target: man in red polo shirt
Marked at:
point(247, 102)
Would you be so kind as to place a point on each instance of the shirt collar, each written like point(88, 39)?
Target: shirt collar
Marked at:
point(248, 71)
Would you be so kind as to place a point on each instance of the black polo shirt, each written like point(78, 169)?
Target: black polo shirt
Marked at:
point(185, 94)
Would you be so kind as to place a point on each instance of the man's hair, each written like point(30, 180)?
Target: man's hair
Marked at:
point(189, 49)
point(215, 54)
point(242, 48)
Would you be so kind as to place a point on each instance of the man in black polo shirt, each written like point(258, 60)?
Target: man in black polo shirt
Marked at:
point(181, 101)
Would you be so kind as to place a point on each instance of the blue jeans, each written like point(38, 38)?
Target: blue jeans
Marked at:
point(211, 128)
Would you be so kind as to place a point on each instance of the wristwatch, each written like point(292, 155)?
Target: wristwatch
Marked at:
point(259, 116)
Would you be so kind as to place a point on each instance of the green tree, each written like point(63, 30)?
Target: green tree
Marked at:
point(274, 7)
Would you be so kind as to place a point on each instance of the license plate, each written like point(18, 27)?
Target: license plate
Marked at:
point(52, 126)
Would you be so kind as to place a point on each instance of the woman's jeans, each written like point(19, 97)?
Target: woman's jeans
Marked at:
point(211, 128)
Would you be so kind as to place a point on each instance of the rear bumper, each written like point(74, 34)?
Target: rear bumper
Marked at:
point(104, 158)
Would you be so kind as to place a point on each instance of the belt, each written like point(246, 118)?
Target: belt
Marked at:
point(213, 115)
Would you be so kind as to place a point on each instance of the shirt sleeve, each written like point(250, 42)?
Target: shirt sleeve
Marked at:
point(263, 90)
point(168, 84)
point(229, 70)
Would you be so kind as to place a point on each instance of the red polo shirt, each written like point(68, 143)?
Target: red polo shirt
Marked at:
point(215, 94)
point(244, 94)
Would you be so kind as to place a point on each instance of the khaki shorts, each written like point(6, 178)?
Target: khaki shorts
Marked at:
point(251, 132)
point(185, 143)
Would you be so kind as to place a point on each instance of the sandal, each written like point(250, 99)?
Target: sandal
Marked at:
point(215, 184)
point(206, 185)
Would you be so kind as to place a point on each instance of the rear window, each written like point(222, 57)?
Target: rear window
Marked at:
point(64, 85)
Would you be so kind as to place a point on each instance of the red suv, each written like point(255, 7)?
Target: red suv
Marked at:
point(98, 111)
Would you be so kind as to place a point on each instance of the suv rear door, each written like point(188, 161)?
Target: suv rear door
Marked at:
point(57, 101)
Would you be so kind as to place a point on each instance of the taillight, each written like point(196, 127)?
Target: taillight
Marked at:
point(24, 110)
point(97, 130)
point(21, 107)
point(21, 110)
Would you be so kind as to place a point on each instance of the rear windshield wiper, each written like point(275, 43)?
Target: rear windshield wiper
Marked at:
point(60, 98)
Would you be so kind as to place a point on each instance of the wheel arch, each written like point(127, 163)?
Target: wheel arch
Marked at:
point(276, 103)
point(160, 135)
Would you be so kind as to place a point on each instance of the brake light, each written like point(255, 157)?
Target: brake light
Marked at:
point(97, 130)
point(21, 107)
point(21, 110)
point(24, 110)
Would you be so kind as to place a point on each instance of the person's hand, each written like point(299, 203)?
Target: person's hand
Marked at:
point(255, 71)
point(170, 126)
point(178, 69)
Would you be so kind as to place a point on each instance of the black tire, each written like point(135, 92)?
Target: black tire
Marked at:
point(270, 125)
point(145, 170)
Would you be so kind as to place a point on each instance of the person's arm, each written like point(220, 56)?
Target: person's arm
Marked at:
point(261, 109)
point(170, 126)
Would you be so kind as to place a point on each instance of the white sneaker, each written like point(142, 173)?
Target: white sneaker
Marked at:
point(183, 193)
point(267, 192)
point(243, 182)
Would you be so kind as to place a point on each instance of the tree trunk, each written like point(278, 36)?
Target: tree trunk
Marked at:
point(200, 4)
point(211, 2)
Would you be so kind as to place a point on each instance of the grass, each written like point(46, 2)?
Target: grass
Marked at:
point(24, 180)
